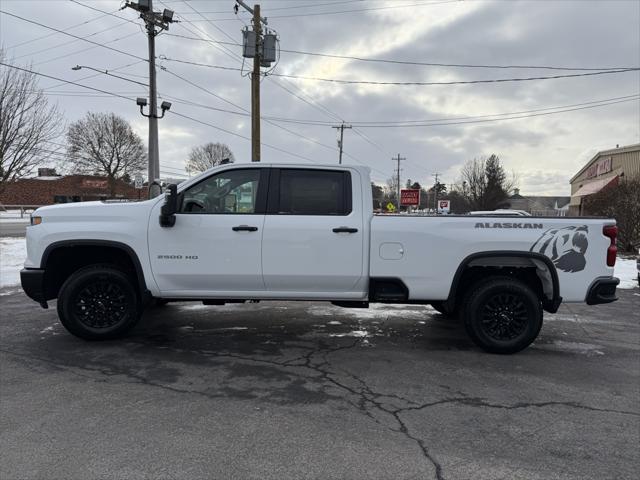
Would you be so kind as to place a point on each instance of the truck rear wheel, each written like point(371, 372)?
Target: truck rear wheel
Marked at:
point(502, 315)
point(98, 302)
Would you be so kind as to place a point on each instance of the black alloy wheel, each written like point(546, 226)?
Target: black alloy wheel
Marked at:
point(502, 314)
point(99, 302)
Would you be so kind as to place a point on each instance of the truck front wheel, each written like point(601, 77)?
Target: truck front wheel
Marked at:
point(98, 302)
point(502, 315)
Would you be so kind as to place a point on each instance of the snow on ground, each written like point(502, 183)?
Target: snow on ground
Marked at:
point(13, 251)
point(626, 270)
point(13, 216)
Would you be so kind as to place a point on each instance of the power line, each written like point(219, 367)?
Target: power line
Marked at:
point(356, 58)
point(455, 82)
point(68, 42)
point(296, 134)
point(73, 36)
point(339, 12)
point(291, 7)
point(170, 111)
point(66, 55)
point(246, 112)
point(93, 75)
point(412, 62)
point(52, 34)
point(436, 121)
point(240, 136)
point(374, 82)
point(65, 81)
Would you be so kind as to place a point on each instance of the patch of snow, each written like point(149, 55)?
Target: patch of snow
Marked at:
point(24, 220)
point(218, 308)
point(626, 270)
point(375, 311)
point(334, 322)
point(576, 347)
point(13, 252)
point(353, 333)
point(229, 328)
point(13, 216)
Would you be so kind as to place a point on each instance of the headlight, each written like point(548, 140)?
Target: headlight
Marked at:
point(36, 220)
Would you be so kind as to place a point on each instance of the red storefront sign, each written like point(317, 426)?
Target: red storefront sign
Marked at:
point(410, 197)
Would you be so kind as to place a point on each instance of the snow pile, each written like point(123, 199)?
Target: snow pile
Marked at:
point(13, 251)
point(626, 270)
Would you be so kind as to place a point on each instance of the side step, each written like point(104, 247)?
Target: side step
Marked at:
point(222, 302)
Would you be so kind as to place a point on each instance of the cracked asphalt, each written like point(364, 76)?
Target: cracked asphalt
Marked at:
point(307, 390)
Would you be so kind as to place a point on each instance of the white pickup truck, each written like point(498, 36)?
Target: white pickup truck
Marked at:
point(259, 231)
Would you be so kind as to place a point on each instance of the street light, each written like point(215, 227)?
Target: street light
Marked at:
point(142, 102)
point(106, 72)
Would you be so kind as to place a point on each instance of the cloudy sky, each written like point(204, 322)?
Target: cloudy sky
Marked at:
point(543, 146)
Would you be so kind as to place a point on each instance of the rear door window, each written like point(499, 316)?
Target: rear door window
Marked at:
point(313, 192)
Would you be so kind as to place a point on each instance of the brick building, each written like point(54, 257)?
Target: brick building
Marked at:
point(48, 188)
point(604, 170)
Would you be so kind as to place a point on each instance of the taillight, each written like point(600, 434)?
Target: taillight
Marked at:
point(611, 231)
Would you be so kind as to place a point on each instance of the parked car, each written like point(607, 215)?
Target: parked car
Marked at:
point(242, 232)
point(502, 212)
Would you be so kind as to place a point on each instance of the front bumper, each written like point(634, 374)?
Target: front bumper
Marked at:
point(603, 290)
point(32, 280)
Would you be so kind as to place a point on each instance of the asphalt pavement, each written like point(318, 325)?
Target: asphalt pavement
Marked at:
point(307, 390)
point(13, 229)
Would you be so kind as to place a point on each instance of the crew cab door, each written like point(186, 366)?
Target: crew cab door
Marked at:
point(313, 233)
point(215, 245)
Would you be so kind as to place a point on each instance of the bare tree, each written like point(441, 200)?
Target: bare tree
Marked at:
point(209, 155)
point(484, 183)
point(27, 124)
point(621, 202)
point(105, 144)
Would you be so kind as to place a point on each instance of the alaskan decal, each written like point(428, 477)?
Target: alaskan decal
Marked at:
point(510, 225)
point(566, 247)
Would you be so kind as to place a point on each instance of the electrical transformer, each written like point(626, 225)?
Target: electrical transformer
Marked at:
point(269, 47)
point(248, 43)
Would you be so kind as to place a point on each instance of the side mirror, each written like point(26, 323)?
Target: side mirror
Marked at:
point(170, 207)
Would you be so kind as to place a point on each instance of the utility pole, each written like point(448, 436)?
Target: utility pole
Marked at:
point(155, 23)
point(262, 48)
point(255, 88)
point(435, 192)
point(341, 127)
point(398, 159)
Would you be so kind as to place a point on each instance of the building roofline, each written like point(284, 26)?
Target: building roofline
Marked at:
point(624, 149)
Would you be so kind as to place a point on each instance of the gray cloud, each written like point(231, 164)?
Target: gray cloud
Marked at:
point(545, 151)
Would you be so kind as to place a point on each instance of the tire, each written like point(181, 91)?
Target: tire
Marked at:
point(99, 302)
point(502, 315)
